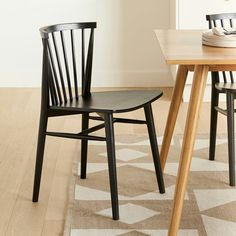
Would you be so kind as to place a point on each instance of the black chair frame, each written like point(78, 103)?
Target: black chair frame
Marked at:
point(223, 20)
point(59, 100)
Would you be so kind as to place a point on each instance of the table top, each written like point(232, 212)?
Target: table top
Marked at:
point(184, 47)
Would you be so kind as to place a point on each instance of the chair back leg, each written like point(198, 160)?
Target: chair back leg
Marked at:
point(154, 147)
point(230, 126)
point(110, 141)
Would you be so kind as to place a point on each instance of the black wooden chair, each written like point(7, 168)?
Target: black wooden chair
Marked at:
point(60, 97)
point(229, 88)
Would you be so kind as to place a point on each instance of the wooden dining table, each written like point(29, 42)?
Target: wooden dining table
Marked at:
point(184, 48)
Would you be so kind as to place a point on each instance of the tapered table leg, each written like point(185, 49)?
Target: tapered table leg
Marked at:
point(198, 87)
point(173, 112)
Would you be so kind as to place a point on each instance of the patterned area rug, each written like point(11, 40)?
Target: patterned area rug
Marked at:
point(209, 207)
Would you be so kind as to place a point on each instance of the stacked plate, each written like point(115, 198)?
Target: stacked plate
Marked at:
point(220, 37)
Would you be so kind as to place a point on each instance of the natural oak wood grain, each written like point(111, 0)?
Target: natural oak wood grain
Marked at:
point(216, 67)
point(184, 47)
point(174, 108)
point(199, 83)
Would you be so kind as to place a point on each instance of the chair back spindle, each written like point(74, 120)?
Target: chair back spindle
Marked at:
point(74, 64)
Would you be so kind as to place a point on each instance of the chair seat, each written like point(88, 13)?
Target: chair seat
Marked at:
point(115, 101)
point(223, 87)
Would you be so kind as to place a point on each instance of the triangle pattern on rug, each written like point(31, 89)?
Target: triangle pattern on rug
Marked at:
point(90, 194)
point(181, 232)
point(145, 166)
point(169, 195)
point(204, 143)
point(224, 212)
point(170, 169)
point(119, 232)
point(134, 233)
point(145, 142)
point(127, 154)
point(217, 227)
point(197, 164)
point(130, 213)
point(96, 167)
point(209, 198)
point(98, 232)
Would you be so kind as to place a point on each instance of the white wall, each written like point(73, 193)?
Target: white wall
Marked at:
point(126, 51)
point(192, 14)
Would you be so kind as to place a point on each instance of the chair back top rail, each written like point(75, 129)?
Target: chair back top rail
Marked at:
point(66, 26)
point(222, 18)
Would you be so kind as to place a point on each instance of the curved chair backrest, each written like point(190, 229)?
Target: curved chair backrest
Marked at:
point(223, 20)
point(67, 61)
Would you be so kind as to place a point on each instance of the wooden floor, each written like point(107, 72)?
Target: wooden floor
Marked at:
point(19, 112)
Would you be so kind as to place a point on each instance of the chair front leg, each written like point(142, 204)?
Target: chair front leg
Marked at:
point(39, 154)
point(214, 115)
point(231, 147)
point(84, 147)
point(110, 141)
point(154, 147)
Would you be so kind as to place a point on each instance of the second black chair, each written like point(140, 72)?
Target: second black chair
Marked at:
point(227, 87)
point(61, 97)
